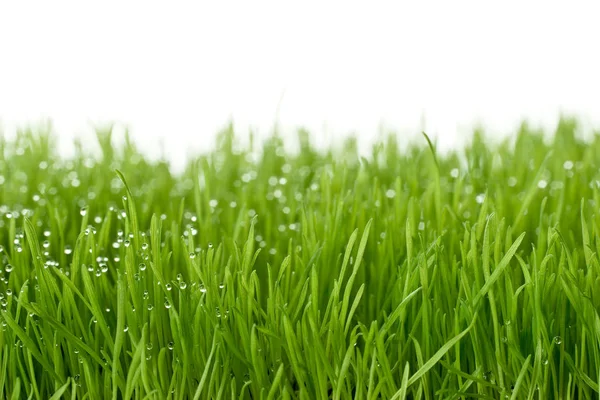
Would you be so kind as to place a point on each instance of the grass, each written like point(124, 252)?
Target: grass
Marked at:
point(261, 274)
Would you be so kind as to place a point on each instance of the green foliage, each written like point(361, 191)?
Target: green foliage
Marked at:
point(262, 274)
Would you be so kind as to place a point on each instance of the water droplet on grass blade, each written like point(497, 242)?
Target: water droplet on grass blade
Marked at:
point(83, 211)
point(167, 304)
point(8, 268)
point(170, 345)
point(557, 340)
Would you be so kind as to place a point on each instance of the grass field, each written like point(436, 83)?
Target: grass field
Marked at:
point(262, 274)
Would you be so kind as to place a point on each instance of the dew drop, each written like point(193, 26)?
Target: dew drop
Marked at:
point(83, 211)
point(142, 267)
point(8, 268)
point(170, 345)
point(167, 304)
point(557, 340)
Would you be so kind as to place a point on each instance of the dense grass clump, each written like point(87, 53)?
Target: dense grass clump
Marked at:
point(260, 274)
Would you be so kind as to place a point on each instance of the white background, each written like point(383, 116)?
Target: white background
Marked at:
point(178, 71)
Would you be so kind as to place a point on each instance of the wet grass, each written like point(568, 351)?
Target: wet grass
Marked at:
point(262, 274)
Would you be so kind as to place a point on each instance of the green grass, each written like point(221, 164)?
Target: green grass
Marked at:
point(262, 274)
